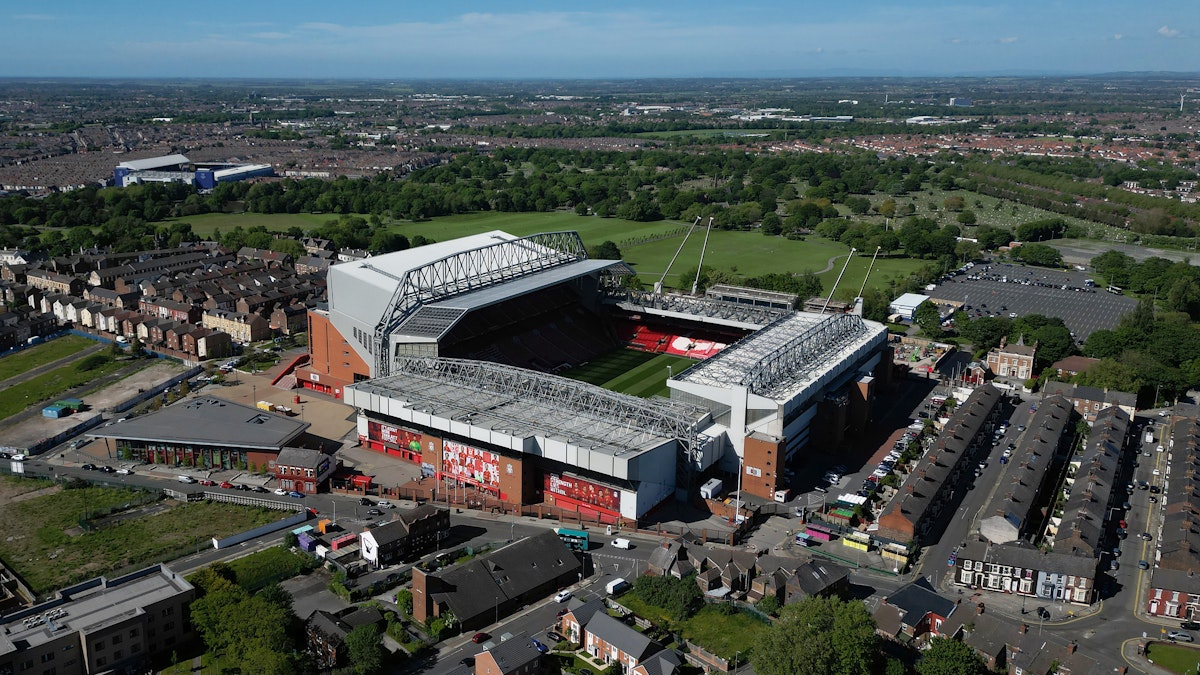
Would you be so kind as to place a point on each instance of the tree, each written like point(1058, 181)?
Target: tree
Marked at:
point(928, 318)
point(1038, 254)
point(605, 250)
point(967, 217)
point(768, 605)
point(818, 636)
point(950, 657)
point(136, 350)
point(363, 649)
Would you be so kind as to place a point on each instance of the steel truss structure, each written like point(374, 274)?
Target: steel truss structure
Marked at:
point(585, 414)
point(785, 352)
point(472, 270)
point(699, 307)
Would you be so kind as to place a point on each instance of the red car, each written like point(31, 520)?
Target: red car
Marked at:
point(207, 483)
point(479, 637)
point(227, 485)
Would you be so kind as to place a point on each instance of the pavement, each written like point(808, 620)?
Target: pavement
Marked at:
point(1000, 290)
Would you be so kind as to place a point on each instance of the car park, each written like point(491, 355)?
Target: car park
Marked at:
point(562, 596)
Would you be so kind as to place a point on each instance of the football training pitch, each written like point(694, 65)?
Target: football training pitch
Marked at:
point(631, 372)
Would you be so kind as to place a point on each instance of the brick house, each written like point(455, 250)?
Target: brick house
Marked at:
point(1012, 360)
point(166, 308)
point(303, 470)
point(411, 533)
point(243, 328)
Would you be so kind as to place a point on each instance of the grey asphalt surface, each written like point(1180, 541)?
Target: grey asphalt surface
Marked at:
point(1001, 290)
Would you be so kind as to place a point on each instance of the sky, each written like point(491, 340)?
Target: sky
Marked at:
point(562, 39)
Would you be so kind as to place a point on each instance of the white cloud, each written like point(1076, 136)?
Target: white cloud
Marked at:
point(1008, 40)
point(1168, 32)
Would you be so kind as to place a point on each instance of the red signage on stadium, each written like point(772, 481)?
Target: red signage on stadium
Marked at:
point(585, 492)
point(400, 438)
point(471, 464)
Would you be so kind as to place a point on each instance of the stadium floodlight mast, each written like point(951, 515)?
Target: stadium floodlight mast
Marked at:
point(839, 279)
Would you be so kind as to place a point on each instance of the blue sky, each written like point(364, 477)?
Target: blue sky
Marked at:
point(405, 39)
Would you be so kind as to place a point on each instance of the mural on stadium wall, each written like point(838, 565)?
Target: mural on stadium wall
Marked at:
point(583, 491)
point(400, 438)
point(471, 464)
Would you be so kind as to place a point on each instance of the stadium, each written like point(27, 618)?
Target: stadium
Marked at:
point(180, 169)
point(481, 360)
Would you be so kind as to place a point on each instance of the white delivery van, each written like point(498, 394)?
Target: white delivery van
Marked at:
point(185, 479)
point(616, 586)
point(622, 544)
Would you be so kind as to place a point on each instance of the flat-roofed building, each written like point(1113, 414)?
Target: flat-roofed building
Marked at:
point(100, 626)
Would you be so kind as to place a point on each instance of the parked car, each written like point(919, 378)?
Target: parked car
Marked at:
point(363, 501)
point(226, 485)
point(1143, 565)
point(1145, 536)
point(108, 469)
point(258, 488)
point(124, 472)
point(557, 637)
point(374, 512)
point(296, 495)
point(280, 491)
point(385, 504)
point(207, 483)
point(88, 467)
point(562, 596)
point(1179, 636)
point(1190, 625)
point(542, 649)
point(479, 638)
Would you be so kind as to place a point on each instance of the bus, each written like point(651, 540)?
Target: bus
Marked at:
point(576, 540)
point(1115, 290)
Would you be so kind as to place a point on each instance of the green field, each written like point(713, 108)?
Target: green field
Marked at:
point(205, 224)
point(1175, 658)
point(268, 566)
point(27, 360)
point(50, 550)
point(631, 372)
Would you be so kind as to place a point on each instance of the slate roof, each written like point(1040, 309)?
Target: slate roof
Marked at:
point(917, 600)
point(665, 662)
point(300, 457)
point(584, 611)
point(478, 585)
point(514, 653)
point(815, 576)
point(622, 637)
point(1082, 528)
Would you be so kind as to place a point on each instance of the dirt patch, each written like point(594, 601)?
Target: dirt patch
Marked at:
point(53, 489)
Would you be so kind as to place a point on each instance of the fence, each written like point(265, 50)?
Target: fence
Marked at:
point(47, 443)
point(259, 531)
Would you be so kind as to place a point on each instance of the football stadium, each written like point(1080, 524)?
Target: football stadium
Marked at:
point(521, 367)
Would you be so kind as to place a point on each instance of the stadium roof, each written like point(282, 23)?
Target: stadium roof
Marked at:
point(209, 421)
point(151, 163)
point(787, 355)
point(523, 403)
point(385, 271)
point(436, 318)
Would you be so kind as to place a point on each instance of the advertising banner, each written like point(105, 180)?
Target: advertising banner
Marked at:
point(583, 491)
point(394, 436)
point(471, 464)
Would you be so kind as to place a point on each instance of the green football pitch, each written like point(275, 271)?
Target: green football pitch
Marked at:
point(631, 372)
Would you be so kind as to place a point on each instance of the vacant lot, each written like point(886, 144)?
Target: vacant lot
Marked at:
point(46, 544)
point(51, 385)
point(269, 566)
point(723, 634)
point(27, 360)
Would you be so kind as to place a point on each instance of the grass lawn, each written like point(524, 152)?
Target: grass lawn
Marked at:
point(644, 609)
point(631, 372)
point(593, 230)
point(46, 546)
point(1175, 658)
point(205, 224)
point(49, 386)
point(722, 634)
point(26, 360)
point(269, 566)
